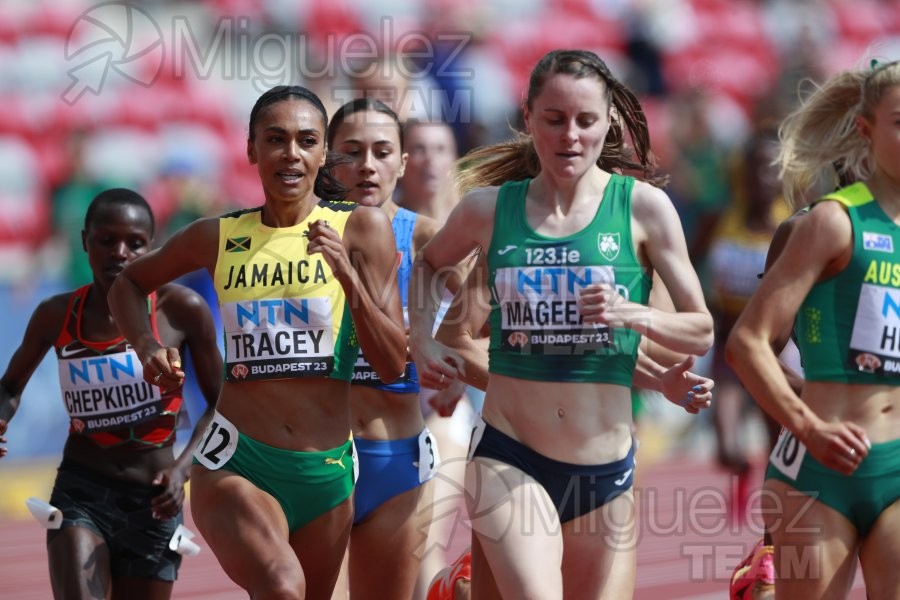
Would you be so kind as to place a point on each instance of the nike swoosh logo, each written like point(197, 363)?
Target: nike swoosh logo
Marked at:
point(66, 352)
point(503, 251)
point(624, 478)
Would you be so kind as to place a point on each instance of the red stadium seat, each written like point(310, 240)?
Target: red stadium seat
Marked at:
point(522, 43)
point(862, 20)
point(24, 210)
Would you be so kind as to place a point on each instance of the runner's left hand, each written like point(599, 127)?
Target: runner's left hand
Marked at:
point(170, 498)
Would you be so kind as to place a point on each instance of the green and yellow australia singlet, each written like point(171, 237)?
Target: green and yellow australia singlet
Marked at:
point(284, 313)
point(536, 327)
point(848, 327)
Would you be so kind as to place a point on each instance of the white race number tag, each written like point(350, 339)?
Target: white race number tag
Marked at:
point(477, 432)
point(428, 456)
point(787, 456)
point(355, 457)
point(218, 443)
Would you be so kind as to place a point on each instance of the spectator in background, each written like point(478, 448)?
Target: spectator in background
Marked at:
point(465, 65)
point(699, 184)
point(428, 186)
point(740, 240)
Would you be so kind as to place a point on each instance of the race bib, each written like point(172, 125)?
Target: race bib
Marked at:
point(107, 392)
point(875, 341)
point(278, 338)
point(355, 458)
point(218, 444)
point(539, 311)
point(788, 454)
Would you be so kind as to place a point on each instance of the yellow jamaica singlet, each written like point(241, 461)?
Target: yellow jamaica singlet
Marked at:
point(284, 313)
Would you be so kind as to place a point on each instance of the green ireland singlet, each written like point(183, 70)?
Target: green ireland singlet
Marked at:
point(536, 328)
point(283, 311)
point(848, 327)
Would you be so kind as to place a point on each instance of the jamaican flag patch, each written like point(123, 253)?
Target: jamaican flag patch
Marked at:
point(239, 244)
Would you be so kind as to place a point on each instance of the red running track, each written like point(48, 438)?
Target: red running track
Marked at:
point(686, 549)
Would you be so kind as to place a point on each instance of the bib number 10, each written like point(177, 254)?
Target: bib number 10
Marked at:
point(788, 454)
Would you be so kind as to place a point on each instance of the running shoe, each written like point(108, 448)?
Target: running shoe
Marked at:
point(754, 577)
point(444, 584)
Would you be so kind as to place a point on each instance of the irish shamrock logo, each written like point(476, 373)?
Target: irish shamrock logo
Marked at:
point(609, 245)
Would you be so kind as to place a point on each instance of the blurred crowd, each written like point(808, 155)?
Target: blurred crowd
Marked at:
point(154, 96)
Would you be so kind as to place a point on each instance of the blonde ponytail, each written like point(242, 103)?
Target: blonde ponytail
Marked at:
point(819, 135)
point(821, 146)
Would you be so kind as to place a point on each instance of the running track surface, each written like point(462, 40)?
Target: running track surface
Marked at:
point(687, 546)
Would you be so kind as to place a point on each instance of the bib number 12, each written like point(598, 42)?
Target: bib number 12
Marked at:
point(218, 444)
